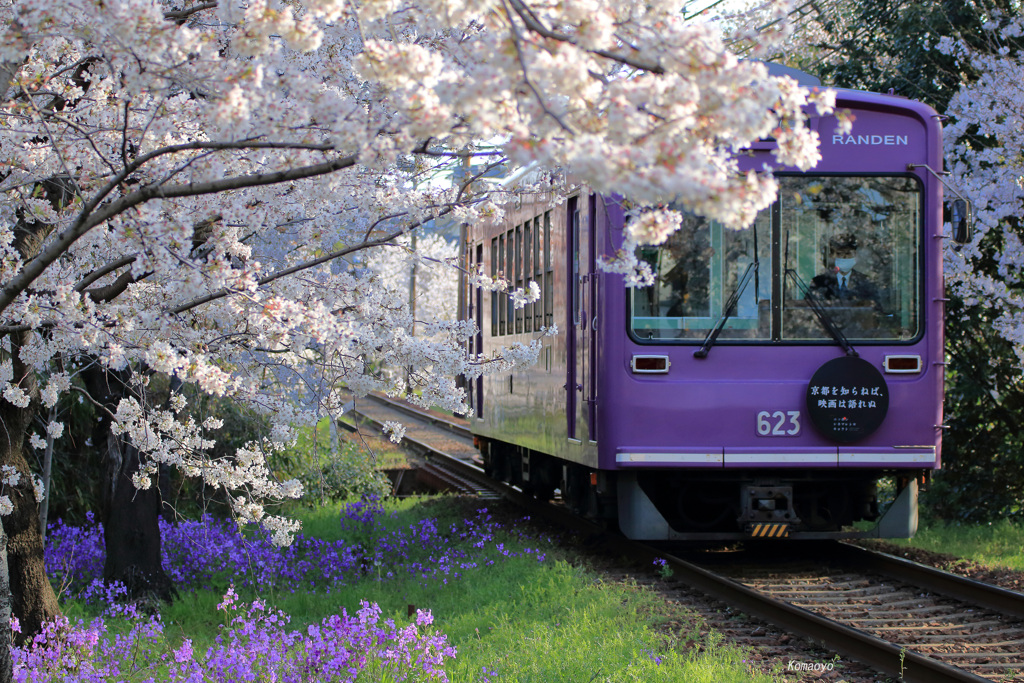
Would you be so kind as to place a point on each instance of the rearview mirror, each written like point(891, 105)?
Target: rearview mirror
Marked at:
point(960, 215)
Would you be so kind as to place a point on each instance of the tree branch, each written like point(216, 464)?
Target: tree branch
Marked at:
point(108, 293)
point(93, 215)
point(529, 82)
point(180, 16)
point(100, 272)
point(366, 244)
point(533, 24)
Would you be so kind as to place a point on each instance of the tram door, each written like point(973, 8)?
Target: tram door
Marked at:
point(590, 325)
point(580, 387)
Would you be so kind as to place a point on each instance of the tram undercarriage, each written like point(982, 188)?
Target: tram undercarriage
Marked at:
point(674, 505)
point(693, 505)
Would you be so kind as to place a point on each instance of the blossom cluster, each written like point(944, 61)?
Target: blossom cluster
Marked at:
point(984, 139)
point(209, 553)
point(10, 477)
point(255, 644)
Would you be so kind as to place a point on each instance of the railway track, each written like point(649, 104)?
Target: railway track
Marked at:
point(908, 621)
point(442, 447)
point(936, 626)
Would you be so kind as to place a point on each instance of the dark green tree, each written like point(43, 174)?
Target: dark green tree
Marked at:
point(883, 45)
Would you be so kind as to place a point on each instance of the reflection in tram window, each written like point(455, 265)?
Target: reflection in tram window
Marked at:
point(851, 244)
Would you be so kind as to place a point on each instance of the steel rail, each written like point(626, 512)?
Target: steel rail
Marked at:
point(421, 414)
point(995, 598)
point(437, 459)
point(909, 666)
point(439, 469)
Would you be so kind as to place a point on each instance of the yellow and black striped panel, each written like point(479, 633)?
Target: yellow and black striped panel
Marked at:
point(769, 530)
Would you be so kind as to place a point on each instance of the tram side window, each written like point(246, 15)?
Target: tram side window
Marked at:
point(523, 255)
point(501, 273)
point(510, 275)
point(518, 270)
point(527, 272)
point(538, 273)
point(576, 300)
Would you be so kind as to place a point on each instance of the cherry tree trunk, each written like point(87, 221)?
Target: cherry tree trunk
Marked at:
point(32, 597)
point(6, 661)
point(131, 530)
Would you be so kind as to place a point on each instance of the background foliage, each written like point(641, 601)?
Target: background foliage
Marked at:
point(331, 468)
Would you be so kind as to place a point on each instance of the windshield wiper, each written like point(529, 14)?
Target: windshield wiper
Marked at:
point(730, 306)
point(821, 312)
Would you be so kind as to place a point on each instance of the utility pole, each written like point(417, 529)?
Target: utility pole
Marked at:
point(412, 303)
point(467, 167)
point(412, 284)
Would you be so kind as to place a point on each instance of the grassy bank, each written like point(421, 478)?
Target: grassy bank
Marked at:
point(515, 607)
point(997, 544)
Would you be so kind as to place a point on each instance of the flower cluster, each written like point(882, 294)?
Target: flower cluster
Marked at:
point(10, 477)
point(254, 645)
point(984, 143)
point(210, 553)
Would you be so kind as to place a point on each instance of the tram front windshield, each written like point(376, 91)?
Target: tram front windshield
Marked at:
point(849, 246)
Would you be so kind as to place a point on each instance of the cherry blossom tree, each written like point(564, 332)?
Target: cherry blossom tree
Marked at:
point(985, 152)
point(425, 267)
point(187, 185)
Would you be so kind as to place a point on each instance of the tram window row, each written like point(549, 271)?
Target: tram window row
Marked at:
point(523, 255)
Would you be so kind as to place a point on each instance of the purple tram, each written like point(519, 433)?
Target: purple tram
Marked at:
point(766, 382)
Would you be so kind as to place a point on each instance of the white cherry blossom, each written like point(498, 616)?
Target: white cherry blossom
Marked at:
point(985, 152)
point(205, 186)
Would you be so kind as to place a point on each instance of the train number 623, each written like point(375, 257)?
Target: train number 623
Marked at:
point(778, 423)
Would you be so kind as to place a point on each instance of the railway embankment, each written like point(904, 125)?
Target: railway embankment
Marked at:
point(1011, 579)
point(393, 590)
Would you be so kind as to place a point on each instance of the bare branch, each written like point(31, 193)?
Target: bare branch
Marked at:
point(533, 24)
point(100, 272)
point(182, 15)
point(113, 290)
point(94, 402)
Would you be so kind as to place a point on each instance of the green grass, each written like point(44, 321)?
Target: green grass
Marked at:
point(384, 453)
point(519, 620)
point(997, 544)
point(557, 623)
